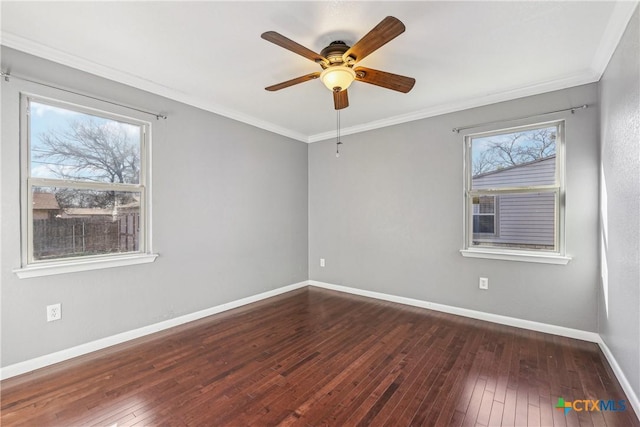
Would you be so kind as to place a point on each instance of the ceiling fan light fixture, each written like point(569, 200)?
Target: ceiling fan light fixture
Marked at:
point(338, 77)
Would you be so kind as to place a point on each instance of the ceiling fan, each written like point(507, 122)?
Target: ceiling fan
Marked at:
point(338, 60)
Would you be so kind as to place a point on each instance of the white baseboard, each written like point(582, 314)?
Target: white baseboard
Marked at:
point(622, 378)
point(82, 349)
point(480, 315)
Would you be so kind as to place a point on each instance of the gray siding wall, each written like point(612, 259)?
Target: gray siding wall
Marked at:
point(537, 173)
point(523, 218)
point(526, 218)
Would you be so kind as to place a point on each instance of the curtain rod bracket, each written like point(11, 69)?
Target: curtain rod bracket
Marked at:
point(582, 107)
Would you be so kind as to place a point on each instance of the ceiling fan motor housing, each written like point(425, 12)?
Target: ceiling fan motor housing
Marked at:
point(334, 51)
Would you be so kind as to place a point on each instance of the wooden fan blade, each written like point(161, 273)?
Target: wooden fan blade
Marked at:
point(383, 79)
point(340, 99)
point(292, 82)
point(294, 47)
point(388, 29)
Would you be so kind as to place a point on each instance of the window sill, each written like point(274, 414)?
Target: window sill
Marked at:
point(516, 256)
point(62, 267)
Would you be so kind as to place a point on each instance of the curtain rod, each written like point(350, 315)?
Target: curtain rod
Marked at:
point(7, 76)
point(572, 109)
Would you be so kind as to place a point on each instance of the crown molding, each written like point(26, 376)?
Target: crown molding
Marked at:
point(563, 82)
point(28, 46)
point(617, 25)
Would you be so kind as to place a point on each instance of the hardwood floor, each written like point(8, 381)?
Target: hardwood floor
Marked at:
point(318, 357)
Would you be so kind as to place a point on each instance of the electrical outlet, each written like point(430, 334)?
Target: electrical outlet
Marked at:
point(54, 312)
point(321, 262)
point(484, 283)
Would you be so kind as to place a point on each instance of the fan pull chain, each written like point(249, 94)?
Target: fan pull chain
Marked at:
point(338, 143)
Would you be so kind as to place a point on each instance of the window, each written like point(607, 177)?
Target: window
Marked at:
point(85, 187)
point(484, 216)
point(514, 190)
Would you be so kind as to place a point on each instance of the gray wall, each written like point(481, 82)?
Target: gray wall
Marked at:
point(388, 216)
point(229, 221)
point(619, 303)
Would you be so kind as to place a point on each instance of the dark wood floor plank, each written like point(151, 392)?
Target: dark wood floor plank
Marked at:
point(390, 339)
point(471, 413)
point(436, 381)
point(546, 411)
point(485, 407)
point(522, 405)
point(495, 418)
point(533, 415)
point(542, 373)
point(315, 357)
point(460, 379)
point(354, 363)
point(509, 411)
point(407, 407)
point(405, 363)
point(344, 356)
point(358, 395)
point(415, 363)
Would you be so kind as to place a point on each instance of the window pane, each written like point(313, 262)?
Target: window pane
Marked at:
point(483, 214)
point(484, 224)
point(66, 144)
point(524, 220)
point(484, 205)
point(70, 222)
point(518, 159)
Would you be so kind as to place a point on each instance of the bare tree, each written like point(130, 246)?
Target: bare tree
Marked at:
point(515, 149)
point(90, 151)
point(483, 163)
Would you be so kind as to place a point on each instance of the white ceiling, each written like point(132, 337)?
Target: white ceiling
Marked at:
point(210, 54)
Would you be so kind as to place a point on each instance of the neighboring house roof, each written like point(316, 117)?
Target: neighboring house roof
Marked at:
point(480, 175)
point(45, 201)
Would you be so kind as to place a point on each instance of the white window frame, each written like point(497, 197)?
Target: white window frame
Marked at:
point(34, 268)
point(557, 256)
